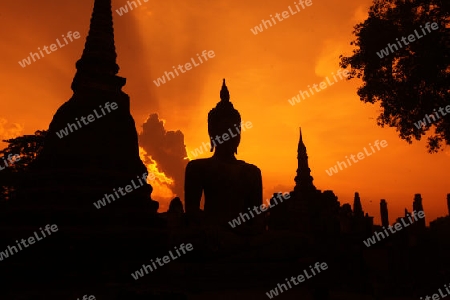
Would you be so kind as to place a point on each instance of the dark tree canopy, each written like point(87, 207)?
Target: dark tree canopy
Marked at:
point(27, 147)
point(410, 82)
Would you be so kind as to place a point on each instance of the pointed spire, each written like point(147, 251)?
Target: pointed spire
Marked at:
point(303, 180)
point(301, 146)
point(224, 94)
point(97, 67)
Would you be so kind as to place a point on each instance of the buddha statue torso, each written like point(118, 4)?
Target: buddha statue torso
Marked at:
point(230, 186)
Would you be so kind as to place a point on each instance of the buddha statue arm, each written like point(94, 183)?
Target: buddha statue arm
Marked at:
point(259, 188)
point(257, 195)
point(256, 199)
point(192, 189)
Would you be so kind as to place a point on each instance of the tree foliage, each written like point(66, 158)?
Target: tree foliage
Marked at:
point(410, 82)
point(27, 147)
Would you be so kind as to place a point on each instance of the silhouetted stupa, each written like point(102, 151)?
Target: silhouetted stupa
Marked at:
point(309, 210)
point(303, 180)
point(91, 148)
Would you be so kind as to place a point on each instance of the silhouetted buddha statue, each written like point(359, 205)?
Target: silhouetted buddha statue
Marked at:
point(231, 186)
point(232, 189)
point(175, 214)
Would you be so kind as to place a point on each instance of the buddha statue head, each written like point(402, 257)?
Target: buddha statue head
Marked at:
point(224, 124)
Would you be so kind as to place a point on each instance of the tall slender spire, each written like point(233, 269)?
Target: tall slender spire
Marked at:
point(303, 180)
point(224, 94)
point(301, 146)
point(97, 67)
point(301, 139)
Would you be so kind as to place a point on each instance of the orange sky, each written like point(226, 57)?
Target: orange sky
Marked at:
point(263, 71)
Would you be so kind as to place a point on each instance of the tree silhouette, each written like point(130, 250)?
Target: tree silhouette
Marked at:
point(28, 148)
point(412, 82)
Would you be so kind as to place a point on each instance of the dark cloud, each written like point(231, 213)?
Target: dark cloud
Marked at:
point(167, 149)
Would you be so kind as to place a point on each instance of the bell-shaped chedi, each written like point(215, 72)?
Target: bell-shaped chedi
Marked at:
point(91, 148)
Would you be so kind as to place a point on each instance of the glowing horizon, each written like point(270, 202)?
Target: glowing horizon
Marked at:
point(263, 72)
